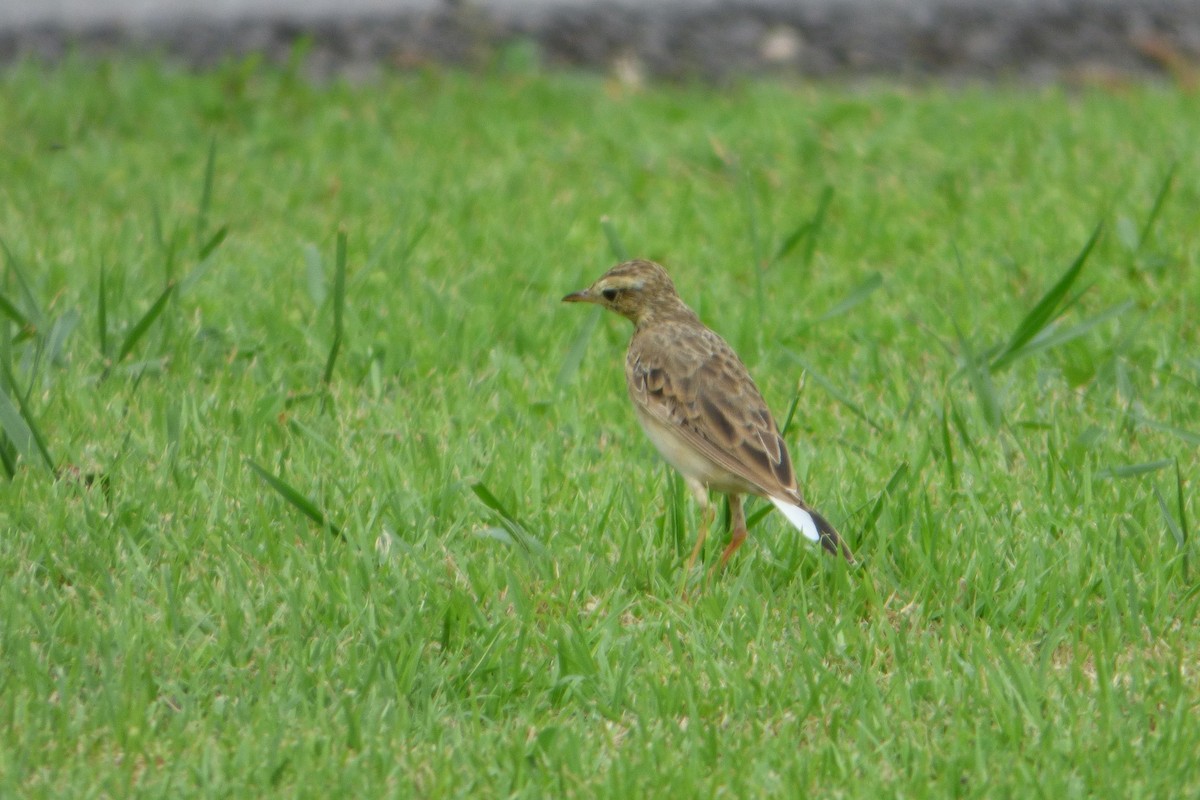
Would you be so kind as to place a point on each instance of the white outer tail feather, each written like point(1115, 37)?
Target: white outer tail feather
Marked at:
point(798, 517)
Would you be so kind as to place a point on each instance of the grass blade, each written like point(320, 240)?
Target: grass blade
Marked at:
point(791, 414)
point(600, 528)
point(139, 329)
point(102, 315)
point(1183, 523)
point(1053, 338)
point(6, 348)
point(12, 312)
point(56, 338)
point(807, 231)
point(815, 226)
point(189, 281)
point(1179, 496)
point(34, 318)
point(339, 304)
point(877, 507)
point(213, 243)
point(750, 207)
point(7, 456)
point(1156, 209)
point(510, 522)
point(170, 246)
point(752, 520)
point(18, 425)
point(614, 240)
point(836, 393)
point(578, 348)
point(314, 272)
point(1047, 308)
point(206, 192)
point(758, 256)
point(793, 239)
point(1172, 523)
point(496, 534)
point(13, 425)
point(15, 429)
point(947, 445)
point(491, 501)
point(294, 498)
point(981, 382)
point(1188, 436)
point(856, 297)
point(960, 425)
point(1132, 470)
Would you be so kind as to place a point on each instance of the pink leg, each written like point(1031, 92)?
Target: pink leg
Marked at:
point(706, 518)
point(739, 528)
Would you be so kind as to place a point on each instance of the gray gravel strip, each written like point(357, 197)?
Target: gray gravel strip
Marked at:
point(1098, 40)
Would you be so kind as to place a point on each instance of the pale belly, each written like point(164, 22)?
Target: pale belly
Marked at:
point(690, 463)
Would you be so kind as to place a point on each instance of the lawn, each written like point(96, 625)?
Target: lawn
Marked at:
point(311, 487)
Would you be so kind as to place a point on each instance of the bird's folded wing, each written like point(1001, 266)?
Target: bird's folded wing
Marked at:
point(699, 387)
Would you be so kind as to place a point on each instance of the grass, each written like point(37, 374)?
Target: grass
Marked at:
point(239, 311)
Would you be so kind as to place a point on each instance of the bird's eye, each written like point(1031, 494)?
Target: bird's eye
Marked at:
point(609, 294)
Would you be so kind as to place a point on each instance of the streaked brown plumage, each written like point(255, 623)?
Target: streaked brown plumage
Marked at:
point(697, 402)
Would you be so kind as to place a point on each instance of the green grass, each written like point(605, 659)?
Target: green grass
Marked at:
point(202, 380)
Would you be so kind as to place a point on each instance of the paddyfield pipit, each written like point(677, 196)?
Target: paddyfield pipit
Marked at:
point(700, 407)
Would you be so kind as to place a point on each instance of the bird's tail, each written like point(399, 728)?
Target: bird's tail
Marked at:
point(814, 527)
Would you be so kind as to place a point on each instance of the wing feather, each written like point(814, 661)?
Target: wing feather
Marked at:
point(690, 379)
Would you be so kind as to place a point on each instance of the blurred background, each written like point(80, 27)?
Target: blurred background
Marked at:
point(1075, 40)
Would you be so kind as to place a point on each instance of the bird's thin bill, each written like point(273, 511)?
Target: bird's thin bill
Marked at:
point(577, 297)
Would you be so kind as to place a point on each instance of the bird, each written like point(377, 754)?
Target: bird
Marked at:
point(700, 408)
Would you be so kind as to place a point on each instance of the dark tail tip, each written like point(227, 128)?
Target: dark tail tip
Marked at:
point(830, 539)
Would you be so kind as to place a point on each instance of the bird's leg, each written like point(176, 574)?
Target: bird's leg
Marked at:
point(738, 527)
point(706, 518)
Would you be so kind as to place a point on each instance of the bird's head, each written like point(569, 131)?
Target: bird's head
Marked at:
point(637, 290)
